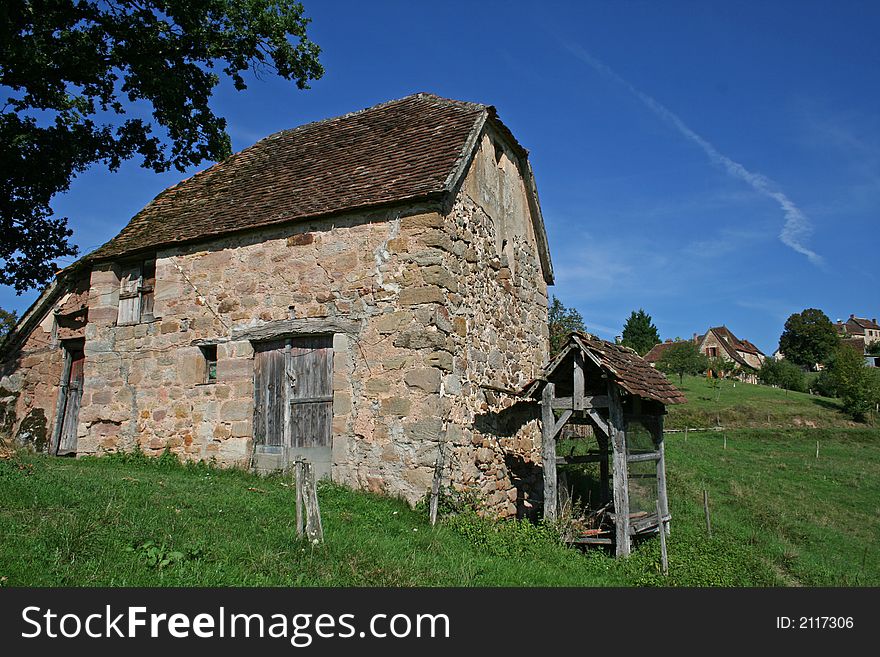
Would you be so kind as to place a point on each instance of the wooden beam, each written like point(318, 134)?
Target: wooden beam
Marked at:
point(283, 328)
point(557, 427)
point(617, 437)
point(578, 389)
point(599, 421)
point(588, 402)
point(638, 458)
point(581, 458)
point(548, 450)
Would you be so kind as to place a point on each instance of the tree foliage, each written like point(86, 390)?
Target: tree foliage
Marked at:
point(874, 348)
point(857, 385)
point(809, 338)
point(783, 374)
point(682, 358)
point(562, 321)
point(8, 320)
point(67, 67)
point(639, 333)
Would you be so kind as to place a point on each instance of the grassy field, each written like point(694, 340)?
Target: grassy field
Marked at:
point(743, 405)
point(779, 516)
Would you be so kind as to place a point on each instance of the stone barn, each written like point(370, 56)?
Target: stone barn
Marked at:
point(366, 292)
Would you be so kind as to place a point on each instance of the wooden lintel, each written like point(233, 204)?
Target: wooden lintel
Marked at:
point(637, 458)
point(291, 327)
point(588, 402)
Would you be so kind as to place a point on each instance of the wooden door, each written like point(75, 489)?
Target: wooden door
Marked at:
point(71, 390)
point(269, 393)
point(310, 391)
point(293, 392)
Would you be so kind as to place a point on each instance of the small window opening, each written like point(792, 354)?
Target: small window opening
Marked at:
point(137, 286)
point(209, 352)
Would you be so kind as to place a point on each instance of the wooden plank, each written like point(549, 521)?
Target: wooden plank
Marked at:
point(548, 451)
point(67, 438)
point(706, 511)
point(620, 490)
point(639, 458)
point(61, 404)
point(664, 560)
point(578, 389)
point(309, 383)
point(589, 401)
point(591, 540)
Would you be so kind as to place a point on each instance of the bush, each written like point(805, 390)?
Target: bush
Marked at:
point(783, 374)
point(857, 384)
point(826, 384)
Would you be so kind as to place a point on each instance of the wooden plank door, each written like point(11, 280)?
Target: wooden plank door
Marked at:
point(72, 391)
point(310, 391)
point(269, 393)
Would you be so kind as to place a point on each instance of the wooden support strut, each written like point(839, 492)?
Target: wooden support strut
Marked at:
point(617, 437)
point(662, 496)
point(548, 450)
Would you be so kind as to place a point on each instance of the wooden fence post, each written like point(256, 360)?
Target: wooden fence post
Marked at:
point(548, 451)
point(298, 473)
point(617, 437)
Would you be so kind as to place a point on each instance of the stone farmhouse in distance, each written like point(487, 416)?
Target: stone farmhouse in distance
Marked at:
point(358, 291)
point(720, 342)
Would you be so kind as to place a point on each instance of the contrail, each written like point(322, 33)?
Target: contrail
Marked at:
point(797, 226)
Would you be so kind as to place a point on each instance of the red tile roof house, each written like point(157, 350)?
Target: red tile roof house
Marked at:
point(357, 291)
point(720, 342)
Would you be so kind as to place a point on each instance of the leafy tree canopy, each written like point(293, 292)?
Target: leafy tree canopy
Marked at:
point(682, 358)
point(639, 333)
point(809, 338)
point(67, 67)
point(783, 374)
point(562, 321)
point(857, 385)
point(8, 321)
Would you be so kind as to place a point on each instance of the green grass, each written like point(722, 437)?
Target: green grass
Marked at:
point(743, 405)
point(779, 517)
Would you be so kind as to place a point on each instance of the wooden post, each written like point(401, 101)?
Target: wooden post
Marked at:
point(817, 449)
point(617, 438)
point(724, 435)
point(706, 511)
point(685, 434)
point(435, 485)
point(662, 495)
point(548, 450)
point(298, 473)
point(604, 475)
point(660, 530)
point(577, 399)
point(314, 528)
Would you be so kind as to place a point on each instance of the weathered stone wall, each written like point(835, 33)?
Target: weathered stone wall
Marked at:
point(29, 384)
point(448, 309)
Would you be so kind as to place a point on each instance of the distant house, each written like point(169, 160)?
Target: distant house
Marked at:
point(859, 327)
point(658, 350)
point(859, 344)
point(720, 342)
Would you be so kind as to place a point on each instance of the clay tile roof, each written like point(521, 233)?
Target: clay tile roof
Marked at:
point(657, 351)
point(855, 343)
point(865, 323)
point(400, 151)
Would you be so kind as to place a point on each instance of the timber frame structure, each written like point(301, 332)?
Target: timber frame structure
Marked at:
point(623, 399)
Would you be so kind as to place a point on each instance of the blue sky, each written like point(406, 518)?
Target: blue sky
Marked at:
point(712, 163)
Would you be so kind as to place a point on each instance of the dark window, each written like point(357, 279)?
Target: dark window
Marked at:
point(209, 351)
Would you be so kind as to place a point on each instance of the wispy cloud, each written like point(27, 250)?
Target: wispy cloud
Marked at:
point(797, 227)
